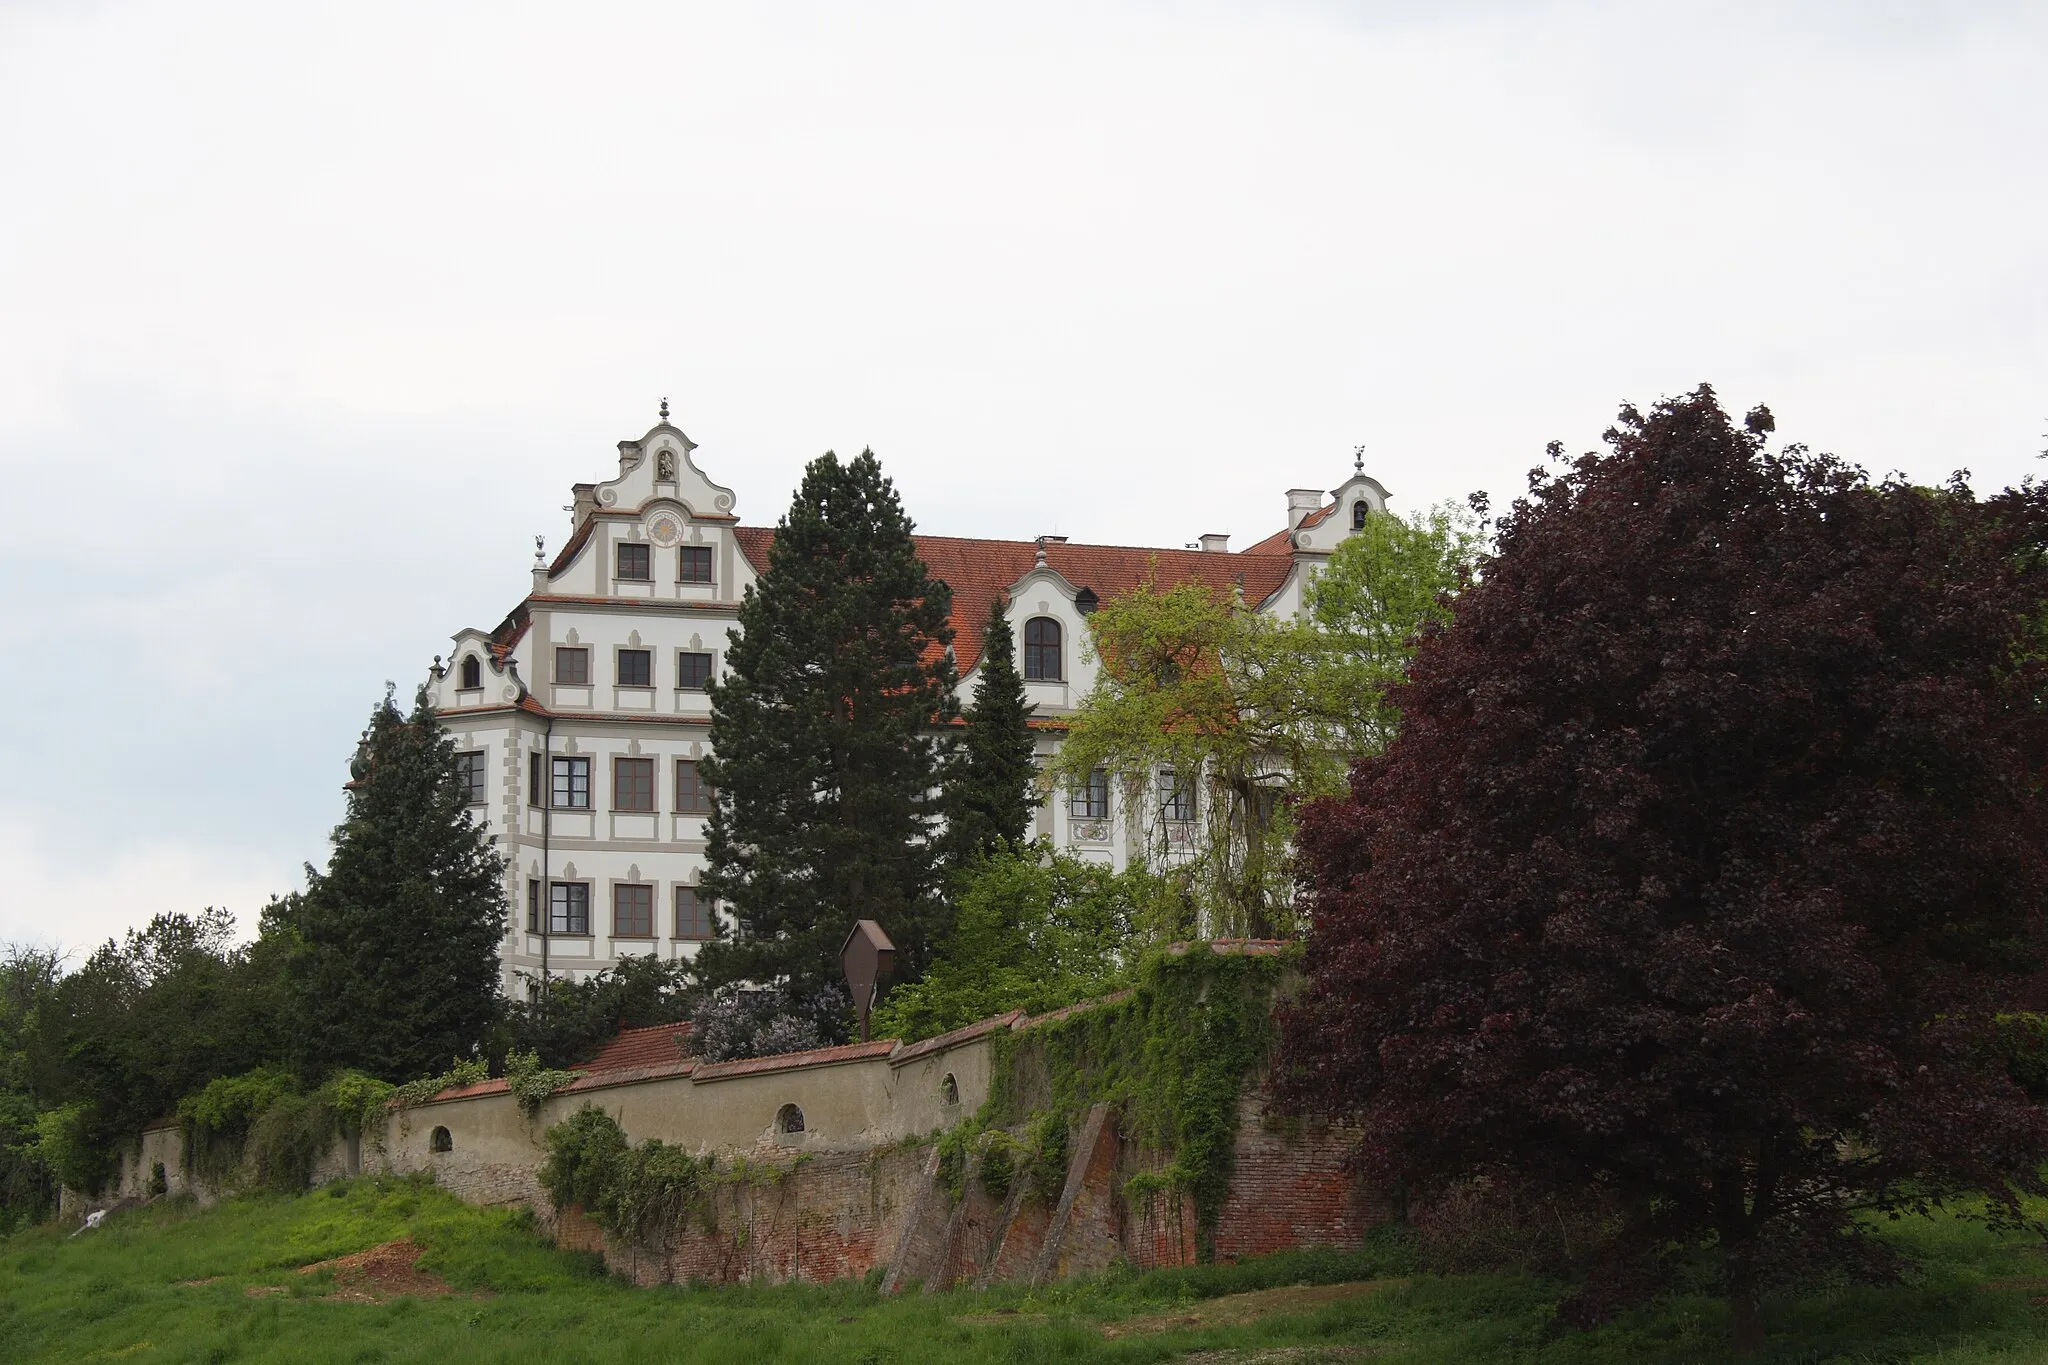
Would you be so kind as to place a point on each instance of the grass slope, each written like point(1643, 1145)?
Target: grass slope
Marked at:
point(124, 1292)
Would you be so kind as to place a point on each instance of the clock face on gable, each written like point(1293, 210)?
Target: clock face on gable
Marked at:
point(665, 529)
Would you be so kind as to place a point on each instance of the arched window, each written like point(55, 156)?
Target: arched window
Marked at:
point(1042, 649)
point(1085, 601)
point(789, 1119)
point(949, 1090)
point(1359, 510)
point(472, 672)
point(441, 1141)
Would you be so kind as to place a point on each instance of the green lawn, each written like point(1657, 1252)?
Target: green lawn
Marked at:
point(124, 1293)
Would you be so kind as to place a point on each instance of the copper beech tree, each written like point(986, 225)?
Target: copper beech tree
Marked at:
point(1711, 842)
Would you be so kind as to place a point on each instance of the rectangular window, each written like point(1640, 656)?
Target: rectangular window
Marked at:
point(693, 795)
point(693, 914)
point(569, 908)
point(533, 905)
point(572, 667)
point(1090, 800)
point(693, 671)
point(632, 912)
point(536, 786)
point(636, 668)
point(694, 564)
point(470, 768)
point(636, 560)
point(632, 784)
point(1176, 796)
point(572, 784)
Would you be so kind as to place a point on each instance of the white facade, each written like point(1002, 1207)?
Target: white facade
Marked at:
point(583, 713)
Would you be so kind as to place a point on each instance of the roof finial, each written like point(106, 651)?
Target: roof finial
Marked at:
point(1041, 553)
point(664, 409)
point(1358, 459)
point(540, 551)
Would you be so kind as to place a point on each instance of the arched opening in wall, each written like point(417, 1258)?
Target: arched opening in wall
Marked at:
point(789, 1119)
point(441, 1141)
point(472, 672)
point(949, 1090)
point(1359, 511)
point(159, 1182)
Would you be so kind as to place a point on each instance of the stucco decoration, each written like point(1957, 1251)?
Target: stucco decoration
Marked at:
point(665, 528)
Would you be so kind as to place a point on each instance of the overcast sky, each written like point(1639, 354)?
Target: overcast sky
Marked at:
point(310, 314)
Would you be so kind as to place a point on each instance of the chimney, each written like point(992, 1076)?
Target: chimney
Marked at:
point(1214, 544)
point(585, 504)
point(1301, 502)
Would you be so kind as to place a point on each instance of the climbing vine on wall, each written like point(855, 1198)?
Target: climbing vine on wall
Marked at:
point(1172, 1057)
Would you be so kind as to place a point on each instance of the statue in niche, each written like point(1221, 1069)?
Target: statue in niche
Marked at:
point(665, 467)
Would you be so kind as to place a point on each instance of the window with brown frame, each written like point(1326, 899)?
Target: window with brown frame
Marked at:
point(1090, 800)
point(569, 908)
point(1176, 796)
point(636, 561)
point(533, 905)
point(693, 914)
point(632, 911)
point(633, 784)
point(693, 670)
point(572, 666)
point(693, 564)
point(472, 673)
point(1042, 661)
point(636, 668)
point(471, 768)
point(571, 784)
point(694, 795)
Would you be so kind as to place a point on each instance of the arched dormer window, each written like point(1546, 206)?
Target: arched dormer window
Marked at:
point(1042, 650)
point(789, 1119)
point(1085, 601)
point(1359, 511)
point(441, 1141)
point(472, 672)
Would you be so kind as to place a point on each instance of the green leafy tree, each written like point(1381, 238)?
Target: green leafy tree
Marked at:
point(828, 738)
point(579, 1017)
point(1243, 715)
point(995, 781)
point(28, 1189)
point(399, 970)
point(1035, 931)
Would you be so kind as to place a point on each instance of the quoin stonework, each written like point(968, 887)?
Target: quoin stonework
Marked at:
point(583, 715)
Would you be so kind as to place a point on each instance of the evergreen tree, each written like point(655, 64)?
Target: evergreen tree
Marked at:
point(399, 971)
point(828, 741)
point(993, 796)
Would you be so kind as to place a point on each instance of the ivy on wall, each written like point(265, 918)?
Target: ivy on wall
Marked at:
point(1172, 1058)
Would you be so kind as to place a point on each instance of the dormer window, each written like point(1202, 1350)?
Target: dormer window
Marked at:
point(1042, 661)
point(1359, 510)
point(636, 561)
point(472, 672)
point(1085, 601)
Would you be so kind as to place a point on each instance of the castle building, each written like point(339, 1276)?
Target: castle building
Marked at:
point(582, 718)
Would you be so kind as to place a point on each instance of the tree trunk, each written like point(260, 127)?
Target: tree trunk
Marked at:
point(1745, 1306)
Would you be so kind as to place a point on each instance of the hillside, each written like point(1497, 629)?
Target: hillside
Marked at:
point(316, 1278)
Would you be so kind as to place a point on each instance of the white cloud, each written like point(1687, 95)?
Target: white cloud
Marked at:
point(74, 904)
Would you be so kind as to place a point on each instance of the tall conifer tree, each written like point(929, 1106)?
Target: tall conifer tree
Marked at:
point(993, 795)
point(399, 973)
point(827, 735)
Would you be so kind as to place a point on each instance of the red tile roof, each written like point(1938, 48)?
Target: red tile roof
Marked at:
point(789, 1061)
point(979, 571)
point(635, 1047)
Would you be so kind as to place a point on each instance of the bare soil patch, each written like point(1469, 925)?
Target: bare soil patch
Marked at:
point(194, 1284)
point(1233, 1309)
point(382, 1272)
